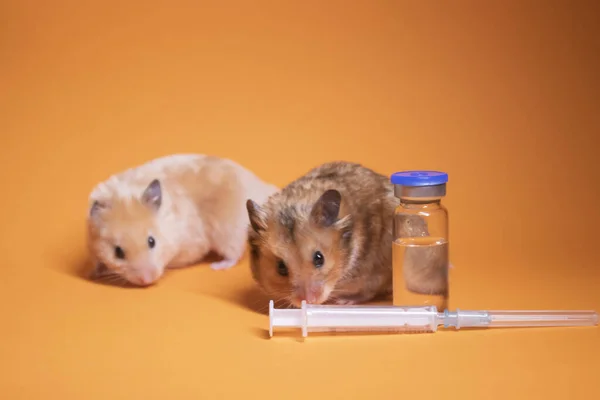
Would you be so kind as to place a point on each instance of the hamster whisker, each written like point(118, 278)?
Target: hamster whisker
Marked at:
point(259, 305)
point(279, 297)
point(261, 309)
point(276, 303)
point(113, 279)
point(108, 278)
point(286, 302)
point(280, 302)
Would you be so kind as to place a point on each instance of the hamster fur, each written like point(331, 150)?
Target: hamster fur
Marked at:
point(169, 213)
point(326, 237)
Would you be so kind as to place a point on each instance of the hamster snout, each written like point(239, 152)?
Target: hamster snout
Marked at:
point(143, 276)
point(142, 272)
point(313, 292)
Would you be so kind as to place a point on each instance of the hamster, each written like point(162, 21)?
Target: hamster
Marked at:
point(169, 213)
point(326, 237)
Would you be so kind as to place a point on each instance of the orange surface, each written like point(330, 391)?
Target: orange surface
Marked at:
point(502, 95)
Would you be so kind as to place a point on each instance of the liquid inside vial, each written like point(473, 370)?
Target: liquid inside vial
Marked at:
point(420, 271)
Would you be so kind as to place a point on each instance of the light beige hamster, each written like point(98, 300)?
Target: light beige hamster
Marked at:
point(170, 213)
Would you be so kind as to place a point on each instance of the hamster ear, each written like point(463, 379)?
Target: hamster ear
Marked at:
point(96, 208)
point(152, 196)
point(257, 216)
point(326, 210)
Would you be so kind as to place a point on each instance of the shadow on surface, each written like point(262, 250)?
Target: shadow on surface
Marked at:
point(295, 334)
point(79, 264)
point(82, 267)
point(250, 298)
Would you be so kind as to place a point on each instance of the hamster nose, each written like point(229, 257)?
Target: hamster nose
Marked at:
point(312, 298)
point(147, 277)
point(311, 293)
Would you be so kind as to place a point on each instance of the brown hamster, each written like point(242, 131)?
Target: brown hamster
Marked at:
point(169, 213)
point(326, 237)
point(425, 269)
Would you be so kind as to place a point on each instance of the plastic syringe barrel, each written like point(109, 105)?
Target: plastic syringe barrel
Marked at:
point(320, 318)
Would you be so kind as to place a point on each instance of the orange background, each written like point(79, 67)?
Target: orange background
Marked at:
point(502, 95)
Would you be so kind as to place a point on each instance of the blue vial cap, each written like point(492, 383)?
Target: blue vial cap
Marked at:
point(419, 178)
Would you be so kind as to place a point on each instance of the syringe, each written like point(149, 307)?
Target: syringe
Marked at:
point(419, 319)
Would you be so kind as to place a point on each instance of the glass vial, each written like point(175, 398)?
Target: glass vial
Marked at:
point(420, 248)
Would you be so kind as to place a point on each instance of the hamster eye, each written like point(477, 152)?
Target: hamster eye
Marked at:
point(119, 253)
point(151, 242)
point(282, 268)
point(318, 259)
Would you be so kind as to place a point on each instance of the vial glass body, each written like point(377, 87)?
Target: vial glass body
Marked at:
point(421, 248)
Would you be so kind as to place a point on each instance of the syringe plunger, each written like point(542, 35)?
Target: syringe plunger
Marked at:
point(322, 318)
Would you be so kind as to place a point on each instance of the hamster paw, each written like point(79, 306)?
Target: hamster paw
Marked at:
point(352, 299)
point(345, 302)
point(223, 264)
